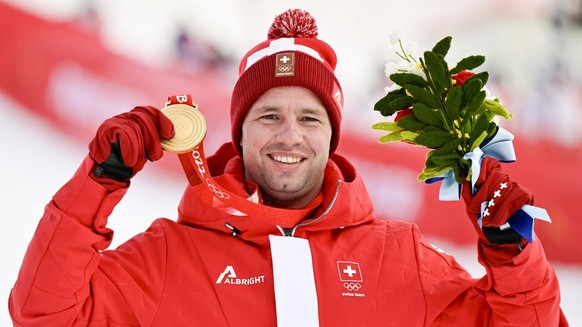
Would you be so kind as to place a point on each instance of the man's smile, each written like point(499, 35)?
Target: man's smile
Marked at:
point(286, 159)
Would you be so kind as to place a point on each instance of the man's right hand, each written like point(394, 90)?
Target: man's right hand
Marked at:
point(124, 142)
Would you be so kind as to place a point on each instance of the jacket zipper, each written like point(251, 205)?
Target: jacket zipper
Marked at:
point(289, 232)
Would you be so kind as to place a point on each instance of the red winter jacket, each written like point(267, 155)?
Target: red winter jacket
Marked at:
point(194, 272)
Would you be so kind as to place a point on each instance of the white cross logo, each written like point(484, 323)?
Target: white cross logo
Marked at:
point(503, 185)
point(497, 194)
point(349, 271)
point(491, 203)
point(284, 59)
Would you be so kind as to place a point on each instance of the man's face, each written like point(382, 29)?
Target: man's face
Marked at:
point(285, 144)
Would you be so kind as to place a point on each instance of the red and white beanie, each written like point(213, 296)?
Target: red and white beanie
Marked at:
point(292, 55)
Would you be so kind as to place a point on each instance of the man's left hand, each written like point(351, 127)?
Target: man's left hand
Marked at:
point(502, 198)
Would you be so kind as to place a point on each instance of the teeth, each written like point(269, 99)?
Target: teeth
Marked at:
point(287, 159)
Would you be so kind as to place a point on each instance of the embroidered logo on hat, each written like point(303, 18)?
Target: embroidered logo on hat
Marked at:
point(285, 64)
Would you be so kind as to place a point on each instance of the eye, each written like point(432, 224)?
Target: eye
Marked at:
point(270, 117)
point(309, 119)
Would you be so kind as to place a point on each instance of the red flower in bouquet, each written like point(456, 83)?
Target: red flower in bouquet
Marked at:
point(461, 77)
point(403, 113)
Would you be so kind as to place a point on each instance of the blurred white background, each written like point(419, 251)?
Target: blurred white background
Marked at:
point(532, 48)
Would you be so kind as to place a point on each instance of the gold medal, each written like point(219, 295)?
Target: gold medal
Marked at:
point(190, 127)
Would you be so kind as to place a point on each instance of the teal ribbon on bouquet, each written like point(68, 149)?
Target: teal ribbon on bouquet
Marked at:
point(500, 147)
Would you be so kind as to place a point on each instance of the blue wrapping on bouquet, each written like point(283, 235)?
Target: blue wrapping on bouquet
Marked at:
point(522, 221)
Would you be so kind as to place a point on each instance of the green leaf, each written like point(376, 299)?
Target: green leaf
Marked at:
point(383, 105)
point(411, 123)
point(400, 103)
point(497, 108)
point(474, 104)
point(447, 148)
point(446, 160)
point(398, 136)
point(426, 115)
point(393, 102)
point(409, 136)
point(467, 124)
point(407, 78)
point(442, 47)
point(492, 129)
point(458, 172)
point(422, 95)
point(427, 173)
point(478, 141)
point(465, 165)
point(479, 128)
point(470, 89)
point(462, 169)
point(483, 76)
point(438, 71)
point(429, 163)
point(434, 139)
point(430, 128)
point(489, 114)
point(453, 102)
point(386, 126)
point(468, 63)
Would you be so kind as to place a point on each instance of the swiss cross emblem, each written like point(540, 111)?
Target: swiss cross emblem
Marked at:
point(285, 64)
point(349, 271)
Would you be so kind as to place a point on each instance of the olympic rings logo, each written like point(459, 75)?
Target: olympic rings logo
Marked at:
point(352, 286)
point(217, 191)
point(284, 68)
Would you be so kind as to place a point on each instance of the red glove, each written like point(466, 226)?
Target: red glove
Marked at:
point(124, 142)
point(503, 196)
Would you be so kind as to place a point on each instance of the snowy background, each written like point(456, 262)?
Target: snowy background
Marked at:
point(37, 159)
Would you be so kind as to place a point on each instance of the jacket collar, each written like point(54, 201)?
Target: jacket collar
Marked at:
point(343, 201)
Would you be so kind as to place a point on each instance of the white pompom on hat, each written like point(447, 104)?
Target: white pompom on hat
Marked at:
point(292, 55)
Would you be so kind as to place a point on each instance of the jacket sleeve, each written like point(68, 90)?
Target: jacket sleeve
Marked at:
point(519, 288)
point(65, 278)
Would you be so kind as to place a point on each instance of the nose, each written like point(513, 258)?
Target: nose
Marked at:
point(289, 133)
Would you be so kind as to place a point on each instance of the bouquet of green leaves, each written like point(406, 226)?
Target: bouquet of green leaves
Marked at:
point(446, 109)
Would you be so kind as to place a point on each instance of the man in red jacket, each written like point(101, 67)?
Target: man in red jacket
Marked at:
point(275, 228)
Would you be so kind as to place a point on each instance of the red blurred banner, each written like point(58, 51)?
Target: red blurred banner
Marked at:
point(68, 76)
